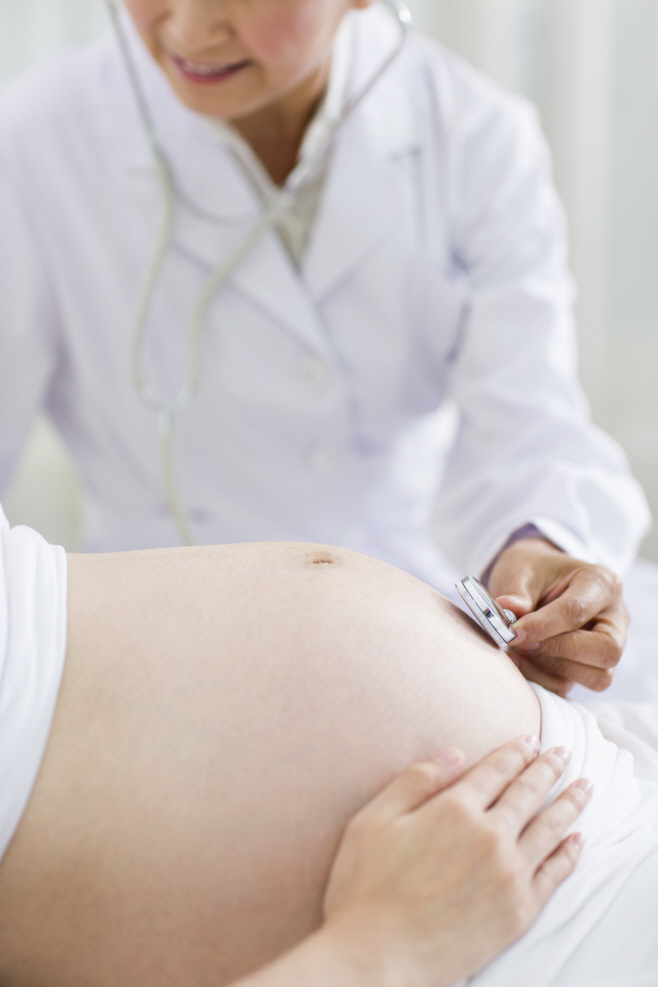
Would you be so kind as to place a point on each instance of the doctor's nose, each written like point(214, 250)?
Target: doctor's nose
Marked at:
point(199, 24)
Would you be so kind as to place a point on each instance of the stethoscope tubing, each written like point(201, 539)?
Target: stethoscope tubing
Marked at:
point(166, 409)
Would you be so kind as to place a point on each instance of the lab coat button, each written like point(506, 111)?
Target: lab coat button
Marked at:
point(324, 458)
point(312, 370)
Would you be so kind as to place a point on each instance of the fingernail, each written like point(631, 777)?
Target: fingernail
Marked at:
point(563, 754)
point(533, 744)
point(531, 645)
point(450, 757)
point(520, 636)
point(585, 786)
point(579, 839)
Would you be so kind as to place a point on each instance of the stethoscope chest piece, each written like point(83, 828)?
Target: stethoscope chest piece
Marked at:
point(491, 618)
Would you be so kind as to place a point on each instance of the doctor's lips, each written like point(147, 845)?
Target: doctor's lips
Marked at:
point(207, 74)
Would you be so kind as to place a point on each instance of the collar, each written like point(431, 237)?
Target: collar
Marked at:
point(318, 131)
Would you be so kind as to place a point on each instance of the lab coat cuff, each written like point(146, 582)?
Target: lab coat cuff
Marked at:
point(565, 539)
point(553, 531)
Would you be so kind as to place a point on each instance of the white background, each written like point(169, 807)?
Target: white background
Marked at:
point(591, 67)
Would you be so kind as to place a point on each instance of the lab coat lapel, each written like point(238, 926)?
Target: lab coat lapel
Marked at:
point(270, 279)
point(267, 276)
point(365, 192)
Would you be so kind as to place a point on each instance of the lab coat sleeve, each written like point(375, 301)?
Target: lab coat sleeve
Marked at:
point(27, 349)
point(526, 451)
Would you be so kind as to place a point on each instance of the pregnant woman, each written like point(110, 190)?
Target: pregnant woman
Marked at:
point(223, 713)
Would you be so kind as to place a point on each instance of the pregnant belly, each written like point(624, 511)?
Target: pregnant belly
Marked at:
point(223, 712)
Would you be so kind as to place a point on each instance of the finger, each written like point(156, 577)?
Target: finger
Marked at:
point(589, 591)
point(414, 786)
point(601, 646)
point(491, 776)
point(545, 832)
point(524, 586)
point(597, 679)
point(533, 673)
point(519, 576)
point(519, 603)
point(557, 867)
point(523, 799)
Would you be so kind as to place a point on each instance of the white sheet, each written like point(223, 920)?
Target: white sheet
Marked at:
point(32, 651)
point(601, 927)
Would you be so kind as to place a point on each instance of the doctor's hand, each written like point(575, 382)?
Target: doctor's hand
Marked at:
point(573, 621)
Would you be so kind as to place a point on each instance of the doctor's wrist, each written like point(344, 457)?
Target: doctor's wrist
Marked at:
point(528, 532)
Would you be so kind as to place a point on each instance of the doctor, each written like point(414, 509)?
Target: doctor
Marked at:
point(400, 337)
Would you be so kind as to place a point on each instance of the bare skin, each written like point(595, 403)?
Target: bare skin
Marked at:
point(192, 798)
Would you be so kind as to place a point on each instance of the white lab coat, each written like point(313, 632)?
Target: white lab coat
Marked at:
point(435, 277)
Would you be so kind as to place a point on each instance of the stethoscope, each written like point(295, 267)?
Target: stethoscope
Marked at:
point(167, 409)
point(498, 623)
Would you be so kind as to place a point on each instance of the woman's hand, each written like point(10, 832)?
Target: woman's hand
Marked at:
point(439, 873)
point(573, 620)
point(431, 884)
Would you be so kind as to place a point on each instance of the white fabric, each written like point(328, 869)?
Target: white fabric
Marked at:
point(601, 926)
point(435, 272)
point(295, 225)
point(32, 651)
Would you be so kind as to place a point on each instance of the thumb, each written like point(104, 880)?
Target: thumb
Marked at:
point(414, 786)
point(514, 586)
point(518, 602)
